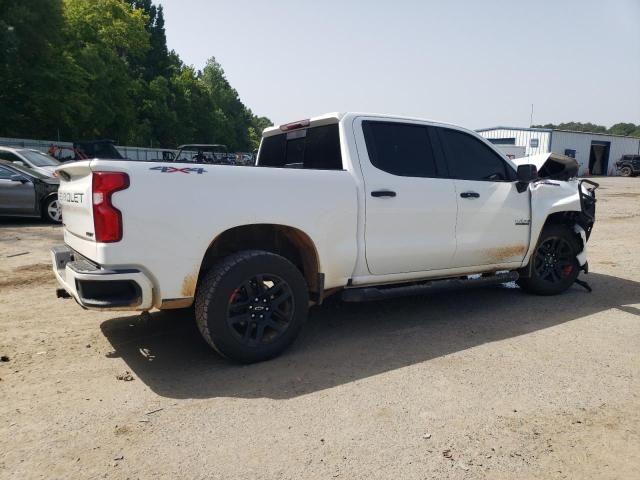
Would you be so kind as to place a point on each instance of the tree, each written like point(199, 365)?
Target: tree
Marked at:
point(625, 129)
point(37, 77)
point(101, 69)
point(106, 37)
point(258, 124)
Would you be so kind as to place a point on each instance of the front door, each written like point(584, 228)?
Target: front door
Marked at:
point(493, 217)
point(410, 207)
point(16, 198)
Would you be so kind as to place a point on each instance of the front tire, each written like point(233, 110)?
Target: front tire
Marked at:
point(251, 306)
point(553, 266)
point(51, 210)
point(626, 171)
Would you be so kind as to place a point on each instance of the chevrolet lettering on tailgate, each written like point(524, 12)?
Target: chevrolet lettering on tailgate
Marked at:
point(70, 197)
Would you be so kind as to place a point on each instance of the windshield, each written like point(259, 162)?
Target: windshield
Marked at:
point(39, 159)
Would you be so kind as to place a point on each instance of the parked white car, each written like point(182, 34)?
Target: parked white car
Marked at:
point(367, 206)
point(34, 159)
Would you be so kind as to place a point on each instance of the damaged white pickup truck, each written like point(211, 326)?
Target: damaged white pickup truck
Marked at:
point(367, 206)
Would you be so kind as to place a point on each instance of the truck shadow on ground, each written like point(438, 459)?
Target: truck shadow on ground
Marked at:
point(346, 342)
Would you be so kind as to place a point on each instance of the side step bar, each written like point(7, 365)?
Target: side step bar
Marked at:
point(365, 294)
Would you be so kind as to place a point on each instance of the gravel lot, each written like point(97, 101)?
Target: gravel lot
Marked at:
point(488, 383)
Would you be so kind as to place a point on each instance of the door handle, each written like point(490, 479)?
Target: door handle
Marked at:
point(383, 193)
point(470, 195)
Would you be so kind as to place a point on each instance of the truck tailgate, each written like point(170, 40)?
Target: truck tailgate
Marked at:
point(74, 195)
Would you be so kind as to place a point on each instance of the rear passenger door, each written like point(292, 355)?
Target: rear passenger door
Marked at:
point(410, 205)
point(493, 217)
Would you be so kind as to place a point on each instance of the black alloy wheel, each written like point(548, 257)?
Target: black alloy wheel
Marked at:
point(554, 260)
point(261, 309)
point(553, 266)
point(251, 305)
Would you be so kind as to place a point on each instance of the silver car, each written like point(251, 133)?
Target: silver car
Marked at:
point(27, 193)
point(34, 159)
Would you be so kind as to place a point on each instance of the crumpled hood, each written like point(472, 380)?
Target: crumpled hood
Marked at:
point(551, 165)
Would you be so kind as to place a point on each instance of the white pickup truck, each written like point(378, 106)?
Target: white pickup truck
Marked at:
point(368, 206)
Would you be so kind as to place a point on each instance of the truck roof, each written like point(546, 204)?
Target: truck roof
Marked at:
point(335, 117)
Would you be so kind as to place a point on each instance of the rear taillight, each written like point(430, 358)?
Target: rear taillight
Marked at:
point(107, 219)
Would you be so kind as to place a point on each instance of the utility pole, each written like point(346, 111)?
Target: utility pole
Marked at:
point(531, 117)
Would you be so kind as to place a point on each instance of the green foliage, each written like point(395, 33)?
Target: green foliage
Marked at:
point(625, 129)
point(101, 69)
point(33, 70)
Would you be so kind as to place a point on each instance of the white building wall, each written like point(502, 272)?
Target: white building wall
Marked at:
point(512, 151)
point(581, 143)
point(523, 138)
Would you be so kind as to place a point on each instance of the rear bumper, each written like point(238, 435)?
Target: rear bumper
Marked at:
point(98, 288)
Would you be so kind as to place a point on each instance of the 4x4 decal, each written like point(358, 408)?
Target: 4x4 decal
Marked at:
point(186, 170)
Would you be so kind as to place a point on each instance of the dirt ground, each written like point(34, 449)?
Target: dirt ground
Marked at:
point(488, 383)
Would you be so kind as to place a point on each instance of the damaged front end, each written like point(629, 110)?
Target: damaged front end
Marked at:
point(551, 166)
point(585, 219)
point(558, 197)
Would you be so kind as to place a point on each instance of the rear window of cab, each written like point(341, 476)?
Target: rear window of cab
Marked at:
point(316, 148)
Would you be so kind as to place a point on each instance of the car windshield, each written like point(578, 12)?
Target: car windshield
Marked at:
point(39, 159)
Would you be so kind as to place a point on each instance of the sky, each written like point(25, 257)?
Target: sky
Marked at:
point(472, 63)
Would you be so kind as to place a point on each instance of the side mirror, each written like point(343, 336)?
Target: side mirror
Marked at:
point(19, 162)
point(525, 175)
point(19, 178)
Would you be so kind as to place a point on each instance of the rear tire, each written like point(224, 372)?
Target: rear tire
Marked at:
point(51, 211)
point(251, 306)
point(553, 266)
point(626, 171)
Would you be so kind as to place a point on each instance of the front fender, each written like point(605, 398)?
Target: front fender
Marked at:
point(547, 198)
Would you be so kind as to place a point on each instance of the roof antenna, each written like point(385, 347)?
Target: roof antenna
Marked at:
point(531, 117)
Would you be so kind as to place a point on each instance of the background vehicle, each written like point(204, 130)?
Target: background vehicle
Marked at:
point(34, 159)
point(245, 158)
point(28, 193)
point(108, 149)
point(203, 153)
point(63, 153)
point(629, 165)
point(368, 205)
point(96, 149)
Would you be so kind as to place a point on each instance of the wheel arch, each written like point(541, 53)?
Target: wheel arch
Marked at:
point(562, 217)
point(290, 242)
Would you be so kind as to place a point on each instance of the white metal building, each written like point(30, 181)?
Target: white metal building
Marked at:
point(596, 153)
